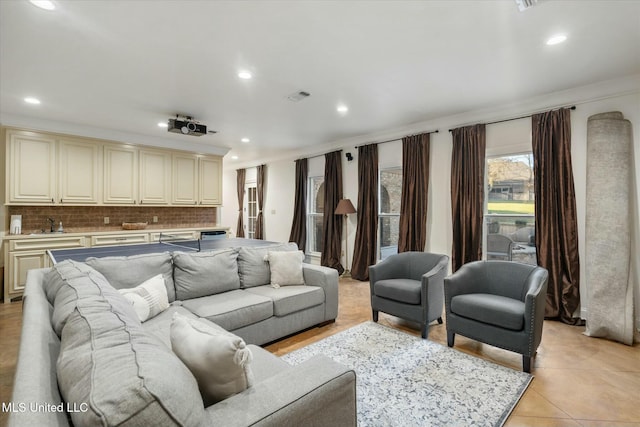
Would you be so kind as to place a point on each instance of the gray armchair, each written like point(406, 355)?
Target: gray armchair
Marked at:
point(500, 303)
point(409, 285)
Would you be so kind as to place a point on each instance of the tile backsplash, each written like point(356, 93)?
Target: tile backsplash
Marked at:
point(91, 218)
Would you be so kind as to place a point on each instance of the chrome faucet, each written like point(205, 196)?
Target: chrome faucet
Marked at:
point(52, 222)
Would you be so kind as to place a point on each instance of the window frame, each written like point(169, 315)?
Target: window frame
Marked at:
point(383, 215)
point(312, 214)
point(528, 220)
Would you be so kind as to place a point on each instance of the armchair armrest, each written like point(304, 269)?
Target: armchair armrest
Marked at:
point(317, 392)
point(535, 298)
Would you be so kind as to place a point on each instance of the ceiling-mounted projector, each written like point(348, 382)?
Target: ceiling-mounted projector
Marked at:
point(186, 126)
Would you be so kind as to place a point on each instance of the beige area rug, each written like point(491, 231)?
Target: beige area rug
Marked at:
point(403, 380)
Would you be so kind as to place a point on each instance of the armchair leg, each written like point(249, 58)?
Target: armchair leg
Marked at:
point(425, 331)
point(527, 362)
point(375, 315)
point(439, 320)
point(451, 337)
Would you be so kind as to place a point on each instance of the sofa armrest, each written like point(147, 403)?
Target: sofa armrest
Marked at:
point(35, 380)
point(327, 279)
point(317, 392)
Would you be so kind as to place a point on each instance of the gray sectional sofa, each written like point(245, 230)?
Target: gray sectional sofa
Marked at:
point(86, 359)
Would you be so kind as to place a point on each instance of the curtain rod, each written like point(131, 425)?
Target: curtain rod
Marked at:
point(573, 107)
point(399, 138)
point(318, 155)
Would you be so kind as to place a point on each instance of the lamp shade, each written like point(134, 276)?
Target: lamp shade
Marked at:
point(345, 207)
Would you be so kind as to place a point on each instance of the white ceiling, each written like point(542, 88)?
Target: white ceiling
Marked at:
point(119, 67)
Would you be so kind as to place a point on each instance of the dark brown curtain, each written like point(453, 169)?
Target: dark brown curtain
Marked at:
point(259, 234)
point(415, 186)
point(556, 219)
point(365, 247)
point(299, 226)
point(332, 224)
point(240, 178)
point(467, 193)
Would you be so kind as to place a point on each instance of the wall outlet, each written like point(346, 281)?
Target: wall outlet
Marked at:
point(155, 219)
point(106, 220)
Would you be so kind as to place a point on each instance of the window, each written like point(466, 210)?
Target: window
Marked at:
point(389, 197)
point(251, 210)
point(315, 214)
point(510, 216)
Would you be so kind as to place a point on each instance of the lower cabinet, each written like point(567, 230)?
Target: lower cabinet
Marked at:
point(24, 255)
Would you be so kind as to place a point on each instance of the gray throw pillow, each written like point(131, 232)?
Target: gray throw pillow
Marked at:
point(218, 359)
point(129, 272)
point(252, 267)
point(201, 274)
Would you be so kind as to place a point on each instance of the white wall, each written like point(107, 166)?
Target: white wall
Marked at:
point(617, 95)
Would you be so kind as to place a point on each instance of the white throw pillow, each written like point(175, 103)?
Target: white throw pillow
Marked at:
point(285, 267)
point(149, 298)
point(218, 359)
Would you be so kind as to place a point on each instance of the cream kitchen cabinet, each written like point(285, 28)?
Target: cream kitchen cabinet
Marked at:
point(197, 180)
point(185, 180)
point(23, 255)
point(31, 168)
point(155, 177)
point(80, 172)
point(120, 175)
point(50, 169)
point(210, 185)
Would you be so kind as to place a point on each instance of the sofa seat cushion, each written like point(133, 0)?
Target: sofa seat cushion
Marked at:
point(205, 273)
point(130, 271)
point(252, 267)
point(289, 299)
point(231, 310)
point(110, 366)
point(402, 290)
point(494, 310)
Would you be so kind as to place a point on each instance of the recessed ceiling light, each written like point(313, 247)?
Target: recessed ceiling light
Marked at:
point(234, 157)
point(163, 125)
point(342, 109)
point(31, 100)
point(245, 75)
point(245, 140)
point(557, 39)
point(43, 4)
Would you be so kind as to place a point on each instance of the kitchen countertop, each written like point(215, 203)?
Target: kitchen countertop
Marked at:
point(72, 232)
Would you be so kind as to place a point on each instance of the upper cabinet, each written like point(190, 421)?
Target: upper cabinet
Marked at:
point(197, 180)
point(45, 169)
point(31, 168)
point(80, 172)
point(154, 177)
point(210, 181)
point(185, 179)
point(120, 175)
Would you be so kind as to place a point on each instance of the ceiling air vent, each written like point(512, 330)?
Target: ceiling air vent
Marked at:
point(525, 4)
point(298, 96)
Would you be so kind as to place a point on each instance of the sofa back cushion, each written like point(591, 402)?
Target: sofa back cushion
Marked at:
point(130, 271)
point(112, 370)
point(70, 281)
point(252, 267)
point(199, 274)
